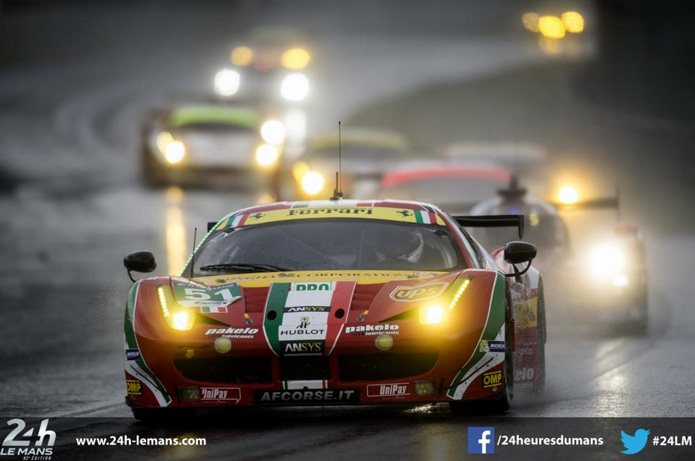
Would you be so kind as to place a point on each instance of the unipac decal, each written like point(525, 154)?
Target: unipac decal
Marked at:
point(133, 386)
point(229, 394)
point(368, 330)
point(387, 390)
point(491, 346)
point(306, 396)
point(132, 354)
point(418, 292)
point(492, 379)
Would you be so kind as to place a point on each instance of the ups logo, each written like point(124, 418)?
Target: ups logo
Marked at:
point(418, 293)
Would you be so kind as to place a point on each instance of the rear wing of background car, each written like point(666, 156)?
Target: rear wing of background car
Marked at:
point(501, 220)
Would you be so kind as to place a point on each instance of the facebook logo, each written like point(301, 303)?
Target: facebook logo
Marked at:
point(481, 440)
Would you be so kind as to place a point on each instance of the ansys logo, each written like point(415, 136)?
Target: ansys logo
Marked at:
point(19, 442)
point(481, 440)
point(634, 443)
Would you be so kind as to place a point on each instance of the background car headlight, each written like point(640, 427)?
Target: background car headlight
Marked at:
point(273, 132)
point(295, 58)
point(607, 260)
point(312, 182)
point(294, 87)
point(267, 155)
point(174, 152)
point(432, 314)
point(227, 82)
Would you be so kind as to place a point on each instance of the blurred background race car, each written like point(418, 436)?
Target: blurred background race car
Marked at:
point(602, 277)
point(367, 154)
point(271, 61)
point(199, 143)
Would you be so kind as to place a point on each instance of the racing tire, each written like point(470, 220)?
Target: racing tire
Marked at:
point(163, 415)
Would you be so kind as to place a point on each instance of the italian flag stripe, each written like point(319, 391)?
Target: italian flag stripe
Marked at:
point(277, 298)
point(423, 217)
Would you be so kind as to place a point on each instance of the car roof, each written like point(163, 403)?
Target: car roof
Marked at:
point(405, 211)
point(445, 171)
point(191, 114)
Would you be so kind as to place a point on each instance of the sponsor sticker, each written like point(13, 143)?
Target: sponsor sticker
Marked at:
point(387, 390)
point(133, 386)
point(210, 300)
point(303, 347)
point(492, 379)
point(527, 315)
point(418, 292)
point(132, 354)
point(369, 330)
point(233, 333)
point(227, 394)
point(491, 346)
point(306, 396)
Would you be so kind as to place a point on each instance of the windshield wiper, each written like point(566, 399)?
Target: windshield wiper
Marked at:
point(244, 267)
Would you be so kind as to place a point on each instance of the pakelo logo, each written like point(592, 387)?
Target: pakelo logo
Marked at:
point(368, 330)
point(491, 346)
point(233, 333)
point(387, 390)
point(418, 292)
point(525, 374)
point(19, 442)
point(304, 347)
point(133, 386)
point(492, 379)
point(232, 394)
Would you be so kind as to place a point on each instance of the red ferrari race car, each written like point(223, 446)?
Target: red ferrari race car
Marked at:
point(336, 302)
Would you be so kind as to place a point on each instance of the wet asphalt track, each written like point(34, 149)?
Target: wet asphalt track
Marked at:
point(68, 128)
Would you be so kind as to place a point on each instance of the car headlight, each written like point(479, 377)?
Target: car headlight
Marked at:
point(178, 318)
point(241, 56)
point(267, 155)
point(273, 132)
point(174, 152)
point(227, 82)
point(607, 260)
point(312, 182)
point(295, 58)
point(431, 314)
point(294, 87)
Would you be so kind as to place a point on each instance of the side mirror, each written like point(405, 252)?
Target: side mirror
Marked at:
point(519, 252)
point(140, 261)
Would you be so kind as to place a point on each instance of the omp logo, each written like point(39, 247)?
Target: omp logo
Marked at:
point(19, 442)
point(133, 386)
point(220, 393)
point(418, 293)
point(312, 286)
point(304, 347)
point(492, 379)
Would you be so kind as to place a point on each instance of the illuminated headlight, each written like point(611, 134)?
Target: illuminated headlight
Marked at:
point(383, 342)
point(227, 82)
point(568, 195)
point(178, 318)
point(620, 281)
point(607, 260)
point(267, 155)
point(189, 394)
point(174, 152)
point(432, 314)
point(424, 388)
point(312, 182)
point(295, 58)
point(273, 132)
point(294, 87)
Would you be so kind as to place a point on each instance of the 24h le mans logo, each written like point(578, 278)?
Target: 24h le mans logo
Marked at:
point(19, 442)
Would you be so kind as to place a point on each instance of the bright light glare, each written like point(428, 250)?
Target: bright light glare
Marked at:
point(174, 152)
point(295, 58)
point(241, 56)
point(312, 182)
point(568, 195)
point(267, 155)
point(434, 314)
point(607, 260)
point(530, 21)
point(227, 82)
point(163, 140)
point(181, 321)
point(551, 27)
point(294, 87)
point(573, 22)
point(273, 132)
point(620, 281)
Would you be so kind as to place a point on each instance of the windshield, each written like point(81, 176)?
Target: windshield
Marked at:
point(329, 244)
point(439, 190)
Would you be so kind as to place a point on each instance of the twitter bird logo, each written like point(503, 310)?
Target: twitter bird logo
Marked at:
point(634, 443)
